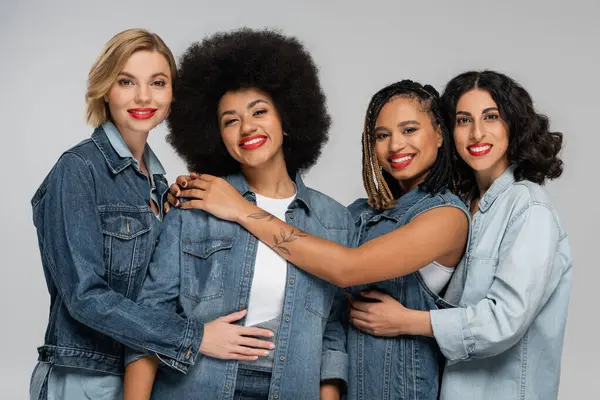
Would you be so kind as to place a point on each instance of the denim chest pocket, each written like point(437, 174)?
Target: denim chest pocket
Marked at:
point(480, 275)
point(205, 267)
point(127, 244)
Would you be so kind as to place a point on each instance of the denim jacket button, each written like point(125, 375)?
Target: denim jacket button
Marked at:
point(281, 358)
point(292, 216)
point(291, 281)
point(287, 318)
point(275, 396)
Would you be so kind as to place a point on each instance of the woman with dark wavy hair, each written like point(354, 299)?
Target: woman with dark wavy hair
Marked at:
point(505, 340)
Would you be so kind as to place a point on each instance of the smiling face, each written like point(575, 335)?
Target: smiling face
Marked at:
point(140, 98)
point(480, 133)
point(406, 143)
point(251, 128)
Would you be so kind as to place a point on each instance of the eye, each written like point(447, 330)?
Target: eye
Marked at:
point(409, 131)
point(259, 112)
point(159, 83)
point(462, 120)
point(229, 122)
point(491, 117)
point(381, 136)
point(125, 82)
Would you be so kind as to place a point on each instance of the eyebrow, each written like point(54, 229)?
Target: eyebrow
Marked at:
point(409, 122)
point(127, 74)
point(468, 114)
point(249, 106)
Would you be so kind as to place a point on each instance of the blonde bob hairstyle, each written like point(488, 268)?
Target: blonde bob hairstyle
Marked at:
point(111, 62)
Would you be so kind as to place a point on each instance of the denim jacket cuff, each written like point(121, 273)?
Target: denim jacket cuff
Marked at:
point(452, 333)
point(189, 350)
point(334, 365)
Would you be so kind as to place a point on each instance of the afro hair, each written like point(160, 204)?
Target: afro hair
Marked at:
point(227, 61)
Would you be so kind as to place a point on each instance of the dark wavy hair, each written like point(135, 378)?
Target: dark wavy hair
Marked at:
point(244, 58)
point(381, 187)
point(532, 148)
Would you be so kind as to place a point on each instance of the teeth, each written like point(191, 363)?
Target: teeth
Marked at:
point(253, 141)
point(402, 159)
point(480, 148)
point(141, 112)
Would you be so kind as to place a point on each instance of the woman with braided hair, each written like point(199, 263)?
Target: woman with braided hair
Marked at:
point(411, 233)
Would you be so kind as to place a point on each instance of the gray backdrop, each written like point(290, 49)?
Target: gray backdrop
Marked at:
point(47, 48)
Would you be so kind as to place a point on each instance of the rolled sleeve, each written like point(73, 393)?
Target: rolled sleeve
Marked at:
point(451, 331)
point(334, 365)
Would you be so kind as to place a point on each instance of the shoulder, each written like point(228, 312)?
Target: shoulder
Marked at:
point(525, 196)
point(330, 213)
point(359, 207)
point(436, 201)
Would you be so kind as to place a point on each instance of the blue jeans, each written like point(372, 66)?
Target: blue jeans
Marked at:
point(252, 385)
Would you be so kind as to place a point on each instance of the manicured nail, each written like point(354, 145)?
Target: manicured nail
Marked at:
point(184, 184)
point(265, 353)
point(176, 203)
point(272, 346)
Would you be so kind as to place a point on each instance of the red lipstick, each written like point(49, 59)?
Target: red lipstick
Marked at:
point(479, 149)
point(142, 113)
point(399, 161)
point(253, 142)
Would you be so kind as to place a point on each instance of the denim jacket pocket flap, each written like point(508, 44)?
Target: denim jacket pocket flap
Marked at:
point(206, 247)
point(124, 225)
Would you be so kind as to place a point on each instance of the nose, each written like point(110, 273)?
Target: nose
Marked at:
point(248, 126)
point(476, 132)
point(397, 142)
point(143, 94)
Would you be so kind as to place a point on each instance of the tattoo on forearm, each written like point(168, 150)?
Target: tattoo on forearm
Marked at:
point(286, 238)
point(262, 215)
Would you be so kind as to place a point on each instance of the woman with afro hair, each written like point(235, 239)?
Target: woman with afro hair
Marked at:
point(249, 107)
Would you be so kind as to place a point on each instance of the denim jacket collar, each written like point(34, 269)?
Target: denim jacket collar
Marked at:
point(498, 187)
point(239, 182)
point(117, 162)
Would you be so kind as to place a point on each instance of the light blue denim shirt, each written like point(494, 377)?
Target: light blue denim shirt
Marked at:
point(505, 340)
point(152, 162)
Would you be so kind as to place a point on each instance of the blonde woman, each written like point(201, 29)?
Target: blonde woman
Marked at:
point(97, 215)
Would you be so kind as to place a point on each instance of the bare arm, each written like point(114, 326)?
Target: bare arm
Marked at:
point(139, 378)
point(436, 235)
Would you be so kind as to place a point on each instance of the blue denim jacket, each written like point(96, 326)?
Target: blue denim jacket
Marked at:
point(403, 367)
point(203, 266)
point(505, 341)
point(96, 233)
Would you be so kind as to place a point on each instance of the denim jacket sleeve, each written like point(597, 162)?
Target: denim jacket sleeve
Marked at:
point(525, 277)
point(160, 290)
point(73, 250)
point(334, 360)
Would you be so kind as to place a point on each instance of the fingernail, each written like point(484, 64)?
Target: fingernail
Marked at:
point(272, 346)
point(176, 203)
point(265, 353)
point(183, 184)
point(271, 334)
point(255, 357)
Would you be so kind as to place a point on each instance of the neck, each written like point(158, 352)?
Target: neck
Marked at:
point(485, 179)
point(270, 179)
point(136, 142)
